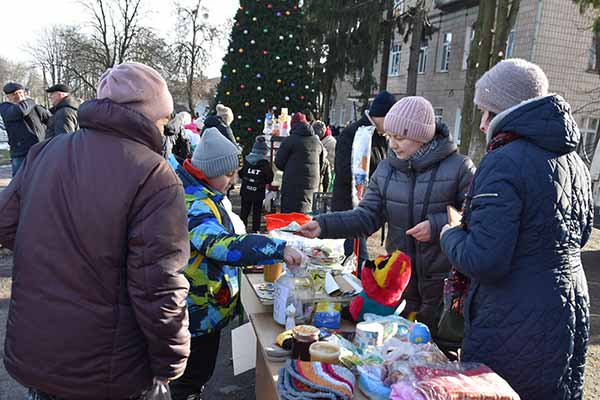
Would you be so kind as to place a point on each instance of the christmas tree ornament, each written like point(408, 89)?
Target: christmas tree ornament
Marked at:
point(305, 86)
point(242, 8)
point(224, 76)
point(279, 81)
point(247, 104)
point(281, 37)
point(291, 36)
point(278, 14)
point(277, 58)
point(241, 50)
point(259, 88)
point(287, 98)
point(239, 117)
point(269, 6)
point(233, 71)
point(258, 75)
point(301, 97)
point(242, 86)
point(292, 84)
point(228, 93)
point(265, 52)
point(298, 48)
point(245, 31)
point(290, 62)
point(247, 66)
point(231, 49)
point(252, 41)
point(262, 100)
point(253, 19)
point(247, 12)
point(249, 129)
point(259, 120)
point(265, 30)
point(287, 13)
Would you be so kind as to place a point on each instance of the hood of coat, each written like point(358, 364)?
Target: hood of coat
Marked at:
point(545, 121)
point(110, 118)
point(302, 129)
point(68, 101)
point(213, 121)
point(444, 148)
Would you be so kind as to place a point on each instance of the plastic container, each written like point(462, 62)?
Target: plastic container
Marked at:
point(276, 221)
point(324, 352)
point(272, 272)
point(295, 287)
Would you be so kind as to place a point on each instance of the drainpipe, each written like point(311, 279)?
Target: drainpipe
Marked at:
point(536, 29)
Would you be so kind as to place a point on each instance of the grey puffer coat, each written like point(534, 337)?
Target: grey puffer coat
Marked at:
point(404, 193)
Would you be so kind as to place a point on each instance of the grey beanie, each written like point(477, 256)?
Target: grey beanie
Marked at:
point(260, 146)
point(508, 83)
point(215, 155)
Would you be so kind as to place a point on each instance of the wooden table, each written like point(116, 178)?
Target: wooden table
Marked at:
point(266, 330)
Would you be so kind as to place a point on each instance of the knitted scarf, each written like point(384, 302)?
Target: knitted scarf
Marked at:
point(426, 149)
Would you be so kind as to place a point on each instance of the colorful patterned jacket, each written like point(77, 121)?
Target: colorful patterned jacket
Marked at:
point(215, 255)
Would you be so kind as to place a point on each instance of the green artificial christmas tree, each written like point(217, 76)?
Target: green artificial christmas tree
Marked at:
point(266, 66)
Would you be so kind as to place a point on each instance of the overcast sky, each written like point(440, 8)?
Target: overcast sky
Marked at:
point(22, 20)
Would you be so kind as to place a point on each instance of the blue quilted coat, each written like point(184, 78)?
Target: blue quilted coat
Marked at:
point(528, 214)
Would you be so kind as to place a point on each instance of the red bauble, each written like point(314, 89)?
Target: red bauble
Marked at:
point(265, 52)
point(242, 86)
point(249, 129)
point(301, 97)
point(269, 6)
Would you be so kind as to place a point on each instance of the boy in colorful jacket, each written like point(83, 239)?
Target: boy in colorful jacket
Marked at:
point(219, 246)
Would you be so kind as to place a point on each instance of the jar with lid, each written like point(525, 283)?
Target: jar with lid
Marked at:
point(295, 287)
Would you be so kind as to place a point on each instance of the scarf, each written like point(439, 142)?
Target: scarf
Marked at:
point(501, 139)
point(426, 149)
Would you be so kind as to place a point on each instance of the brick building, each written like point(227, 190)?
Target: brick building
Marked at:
point(550, 33)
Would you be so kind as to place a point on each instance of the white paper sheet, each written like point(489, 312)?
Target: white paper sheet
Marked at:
point(243, 346)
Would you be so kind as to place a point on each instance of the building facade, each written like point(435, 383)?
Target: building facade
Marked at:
point(550, 33)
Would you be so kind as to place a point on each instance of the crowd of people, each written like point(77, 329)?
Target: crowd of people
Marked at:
point(127, 250)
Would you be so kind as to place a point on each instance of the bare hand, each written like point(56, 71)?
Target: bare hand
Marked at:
point(310, 230)
point(421, 231)
point(292, 256)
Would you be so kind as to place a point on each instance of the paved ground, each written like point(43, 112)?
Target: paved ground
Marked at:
point(225, 385)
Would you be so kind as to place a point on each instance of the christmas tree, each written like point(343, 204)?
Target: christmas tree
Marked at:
point(266, 66)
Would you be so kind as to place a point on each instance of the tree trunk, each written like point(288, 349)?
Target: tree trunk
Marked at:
point(328, 90)
point(486, 28)
point(415, 48)
point(597, 49)
point(388, 33)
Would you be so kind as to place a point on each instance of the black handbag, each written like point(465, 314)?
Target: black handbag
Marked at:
point(451, 327)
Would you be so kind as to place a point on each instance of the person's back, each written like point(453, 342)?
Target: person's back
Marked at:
point(300, 157)
point(98, 300)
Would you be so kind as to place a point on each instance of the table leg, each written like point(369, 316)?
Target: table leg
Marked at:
point(265, 387)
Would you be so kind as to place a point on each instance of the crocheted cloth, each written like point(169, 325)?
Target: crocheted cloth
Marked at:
point(314, 380)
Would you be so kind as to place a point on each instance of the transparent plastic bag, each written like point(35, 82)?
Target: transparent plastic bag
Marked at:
point(448, 381)
point(158, 391)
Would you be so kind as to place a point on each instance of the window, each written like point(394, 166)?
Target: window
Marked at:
point(422, 58)
point(457, 122)
point(439, 114)
point(398, 7)
point(592, 55)
point(446, 52)
point(395, 51)
point(468, 40)
point(589, 131)
point(510, 44)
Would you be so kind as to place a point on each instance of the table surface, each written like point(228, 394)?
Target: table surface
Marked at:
point(266, 330)
point(257, 279)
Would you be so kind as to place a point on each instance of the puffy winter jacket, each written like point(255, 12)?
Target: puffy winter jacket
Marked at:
point(25, 124)
point(301, 158)
point(216, 254)
point(528, 216)
point(98, 298)
point(255, 178)
point(342, 187)
point(404, 193)
point(64, 118)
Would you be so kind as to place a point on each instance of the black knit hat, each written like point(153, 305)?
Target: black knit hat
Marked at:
point(381, 104)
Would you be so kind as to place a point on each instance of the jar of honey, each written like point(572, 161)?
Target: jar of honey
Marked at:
point(324, 352)
point(303, 337)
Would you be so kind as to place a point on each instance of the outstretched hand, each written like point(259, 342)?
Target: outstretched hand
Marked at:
point(292, 256)
point(310, 230)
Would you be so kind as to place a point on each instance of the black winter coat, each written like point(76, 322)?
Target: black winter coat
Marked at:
point(214, 121)
point(64, 118)
point(25, 124)
point(342, 187)
point(255, 178)
point(301, 158)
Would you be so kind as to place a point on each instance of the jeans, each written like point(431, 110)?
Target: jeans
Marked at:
point(16, 162)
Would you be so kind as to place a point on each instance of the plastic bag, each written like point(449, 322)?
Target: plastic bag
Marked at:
point(158, 391)
point(361, 159)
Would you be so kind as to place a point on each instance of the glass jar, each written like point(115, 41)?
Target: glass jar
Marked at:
point(295, 287)
point(303, 337)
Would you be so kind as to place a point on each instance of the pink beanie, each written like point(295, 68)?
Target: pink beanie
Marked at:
point(412, 117)
point(138, 87)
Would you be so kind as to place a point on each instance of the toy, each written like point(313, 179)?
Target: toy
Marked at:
point(419, 333)
point(384, 280)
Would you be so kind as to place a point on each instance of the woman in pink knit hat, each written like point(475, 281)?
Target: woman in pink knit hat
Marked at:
point(410, 189)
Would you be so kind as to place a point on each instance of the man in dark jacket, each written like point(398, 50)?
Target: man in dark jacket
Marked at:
point(64, 111)
point(222, 121)
point(301, 158)
point(342, 186)
point(98, 303)
point(25, 123)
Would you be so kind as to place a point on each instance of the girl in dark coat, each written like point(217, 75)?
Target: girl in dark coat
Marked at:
point(301, 158)
point(528, 214)
point(256, 174)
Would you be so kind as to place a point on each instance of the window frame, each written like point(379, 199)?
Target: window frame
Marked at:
point(422, 59)
point(446, 49)
point(395, 55)
point(469, 37)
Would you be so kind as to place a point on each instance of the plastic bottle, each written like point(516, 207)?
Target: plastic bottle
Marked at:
point(295, 287)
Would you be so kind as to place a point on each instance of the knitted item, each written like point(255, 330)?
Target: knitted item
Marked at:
point(381, 104)
point(298, 118)
point(508, 83)
point(413, 118)
point(137, 87)
point(425, 149)
point(215, 155)
point(384, 281)
point(315, 380)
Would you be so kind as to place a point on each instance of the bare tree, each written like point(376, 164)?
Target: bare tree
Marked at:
point(495, 20)
point(195, 37)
